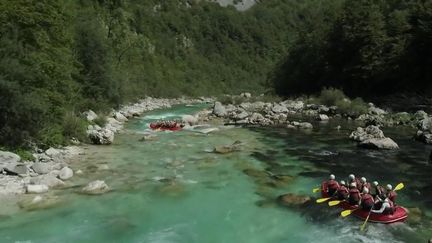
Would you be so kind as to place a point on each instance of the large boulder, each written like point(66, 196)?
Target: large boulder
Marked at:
point(96, 187)
point(190, 120)
point(277, 108)
point(256, 117)
point(90, 115)
point(219, 109)
point(369, 132)
point(294, 104)
point(102, 136)
point(323, 117)
point(120, 117)
point(379, 143)
point(65, 173)
point(425, 137)
point(16, 169)
point(37, 189)
point(9, 157)
point(41, 168)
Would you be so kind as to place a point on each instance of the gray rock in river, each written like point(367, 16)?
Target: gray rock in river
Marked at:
point(190, 120)
point(16, 169)
point(323, 117)
point(379, 143)
point(278, 108)
point(369, 132)
point(372, 137)
point(65, 173)
point(102, 136)
point(219, 110)
point(50, 180)
point(41, 168)
point(9, 157)
point(37, 189)
point(96, 187)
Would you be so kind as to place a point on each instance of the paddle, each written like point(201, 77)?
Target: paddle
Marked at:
point(349, 211)
point(367, 218)
point(315, 190)
point(321, 200)
point(334, 203)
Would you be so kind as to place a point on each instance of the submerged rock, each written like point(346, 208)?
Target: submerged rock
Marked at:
point(224, 149)
point(96, 187)
point(291, 200)
point(39, 202)
point(415, 215)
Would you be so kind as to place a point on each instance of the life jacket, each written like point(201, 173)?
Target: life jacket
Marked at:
point(332, 185)
point(392, 196)
point(354, 195)
point(367, 200)
point(365, 185)
point(391, 209)
point(343, 192)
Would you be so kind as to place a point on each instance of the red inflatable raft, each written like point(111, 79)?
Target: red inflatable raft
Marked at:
point(399, 215)
point(156, 126)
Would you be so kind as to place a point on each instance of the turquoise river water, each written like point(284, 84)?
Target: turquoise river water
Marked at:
point(173, 189)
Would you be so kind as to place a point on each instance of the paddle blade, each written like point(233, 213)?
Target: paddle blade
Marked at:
point(316, 190)
point(399, 186)
point(362, 227)
point(346, 212)
point(334, 203)
point(321, 200)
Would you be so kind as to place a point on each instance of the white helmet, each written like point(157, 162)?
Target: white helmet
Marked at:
point(351, 177)
point(353, 184)
point(375, 183)
point(342, 182)
point(332, 177)
point(363, 179)
point(365, 190)
point(389, 187)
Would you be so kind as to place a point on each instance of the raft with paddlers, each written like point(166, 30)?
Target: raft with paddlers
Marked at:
point(399, 214)
point(166, 126)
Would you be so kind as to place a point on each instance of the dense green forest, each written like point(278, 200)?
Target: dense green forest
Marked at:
point(364, 47)
point(59, 58)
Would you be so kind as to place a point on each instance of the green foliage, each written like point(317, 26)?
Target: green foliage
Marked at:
point(353, 108)
point(331, 96)
point(24, 154)
point(100, 120)
point(365, 47)
point(336, 97)
point(74, 126)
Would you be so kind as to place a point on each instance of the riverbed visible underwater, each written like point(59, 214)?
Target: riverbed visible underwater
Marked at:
point(172, 188)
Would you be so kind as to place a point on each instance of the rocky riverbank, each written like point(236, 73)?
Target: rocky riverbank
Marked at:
point(52, 169)
point(297, 114)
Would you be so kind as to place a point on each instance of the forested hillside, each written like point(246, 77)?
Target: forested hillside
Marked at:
point(59, 58)
point(365, 47)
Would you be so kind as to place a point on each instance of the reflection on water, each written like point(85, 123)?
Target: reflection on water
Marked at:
point(169, 189)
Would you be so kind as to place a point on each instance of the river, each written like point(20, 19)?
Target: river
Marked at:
point(173, 189)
